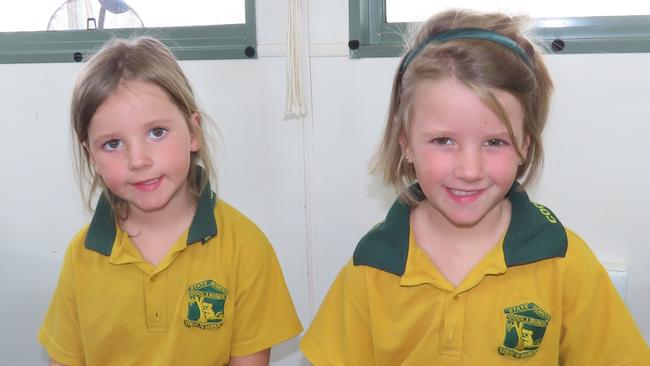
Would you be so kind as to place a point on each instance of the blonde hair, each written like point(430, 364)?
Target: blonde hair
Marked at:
point(142, 59)
point(483, 66)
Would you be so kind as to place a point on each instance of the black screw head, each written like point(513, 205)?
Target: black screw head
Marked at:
point(77, 56)
point(557, 45)
point(249, 52)
point(353, 44)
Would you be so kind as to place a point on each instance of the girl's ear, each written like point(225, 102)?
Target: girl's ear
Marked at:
point(85, 146)
point(524, 148)
point(91, 158)
point(195, 131)
point(403, 143)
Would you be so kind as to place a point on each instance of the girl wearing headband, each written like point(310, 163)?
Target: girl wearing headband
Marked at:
point(465, 269)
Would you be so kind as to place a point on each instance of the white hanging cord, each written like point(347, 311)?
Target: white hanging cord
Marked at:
point(295, 107)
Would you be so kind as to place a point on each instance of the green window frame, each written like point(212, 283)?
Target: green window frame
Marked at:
point(372, 36)
point(227, 41)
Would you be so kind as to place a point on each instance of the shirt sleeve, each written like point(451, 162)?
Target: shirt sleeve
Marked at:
point(597, 328)
point(59, 333)
point(264, 312)
point(340, 333)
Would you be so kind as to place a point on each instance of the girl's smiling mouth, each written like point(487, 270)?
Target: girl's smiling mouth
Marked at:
point(464, 196)
point(148, 185)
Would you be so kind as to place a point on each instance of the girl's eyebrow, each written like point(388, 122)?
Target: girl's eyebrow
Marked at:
point(499, 134)
point(157, 121)
point(103, 138)
point(147, 125)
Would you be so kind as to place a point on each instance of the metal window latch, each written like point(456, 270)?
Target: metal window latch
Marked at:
point(91, 24)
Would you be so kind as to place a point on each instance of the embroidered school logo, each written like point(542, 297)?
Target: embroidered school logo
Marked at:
point(205, 306)
point(525, 328)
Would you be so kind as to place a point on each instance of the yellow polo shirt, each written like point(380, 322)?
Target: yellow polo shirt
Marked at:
point(540, 297)
point(218, 293)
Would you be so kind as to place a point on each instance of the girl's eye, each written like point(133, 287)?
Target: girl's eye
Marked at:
point(442, 141)
point(495, 142)
point(112, 145)
point(157, 133)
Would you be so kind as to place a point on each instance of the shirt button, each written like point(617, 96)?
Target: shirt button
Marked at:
point(457, 296)
point(154, 278)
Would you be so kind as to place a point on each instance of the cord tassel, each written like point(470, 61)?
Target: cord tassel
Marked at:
point(295, 107)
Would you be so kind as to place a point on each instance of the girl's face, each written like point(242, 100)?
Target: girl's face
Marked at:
point(140, 144)
point(464, 159)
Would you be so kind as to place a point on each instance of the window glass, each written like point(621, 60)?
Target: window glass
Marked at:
point(72, 30)
point(418, 10)
point(377, 27)
point(40, 15)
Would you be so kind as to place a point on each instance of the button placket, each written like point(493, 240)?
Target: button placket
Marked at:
point(154, 287)
point(453, 325)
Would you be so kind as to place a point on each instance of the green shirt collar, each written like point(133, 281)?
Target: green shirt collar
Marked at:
point(103, 228)
point(534, 234)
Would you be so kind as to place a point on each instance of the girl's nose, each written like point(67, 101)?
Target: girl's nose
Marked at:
point(469, 165)
point(139, 157)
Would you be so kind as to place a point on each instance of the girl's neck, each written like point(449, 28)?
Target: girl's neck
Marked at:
point(154, 233)
point(180, 209)
point(455, 250)
point(433, 224)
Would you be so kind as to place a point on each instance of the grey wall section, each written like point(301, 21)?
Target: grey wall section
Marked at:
point(306, 182)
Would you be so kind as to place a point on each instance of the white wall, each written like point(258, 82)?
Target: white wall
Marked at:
point(305, 182)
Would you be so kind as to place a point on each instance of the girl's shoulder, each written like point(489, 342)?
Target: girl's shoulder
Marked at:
point(230, 218)
point(78, 239)
point(237, 229)
point(77, 251)
point(579, 256)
